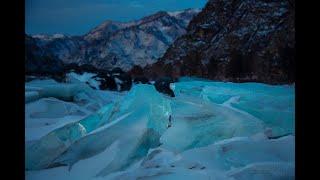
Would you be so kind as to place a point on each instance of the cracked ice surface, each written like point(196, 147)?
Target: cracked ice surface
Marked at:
point(219, 131)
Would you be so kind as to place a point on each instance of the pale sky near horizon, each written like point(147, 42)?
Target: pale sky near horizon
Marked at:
point(76, 17)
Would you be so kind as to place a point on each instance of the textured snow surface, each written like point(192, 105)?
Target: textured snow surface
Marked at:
point(218, 131)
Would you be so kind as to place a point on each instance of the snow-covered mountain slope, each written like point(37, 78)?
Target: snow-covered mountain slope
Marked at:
point(218, 130)
point(116, 44)
point(38, 60)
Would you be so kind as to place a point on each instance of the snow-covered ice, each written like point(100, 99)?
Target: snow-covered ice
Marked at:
point(218, 131)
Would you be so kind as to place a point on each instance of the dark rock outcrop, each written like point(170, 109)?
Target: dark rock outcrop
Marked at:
point(162, 85)
point(235, 40)
point(124, 81)
point(138, 75)
point(141, 80)
point(114, 80)
point(106, 81)
point(80, 69)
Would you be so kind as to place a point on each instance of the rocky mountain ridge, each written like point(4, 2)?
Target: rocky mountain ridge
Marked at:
point(236, 40)
point(112, 44)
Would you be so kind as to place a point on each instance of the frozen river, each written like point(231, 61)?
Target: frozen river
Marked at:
point(218, 130)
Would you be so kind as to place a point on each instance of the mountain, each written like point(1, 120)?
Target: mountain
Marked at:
point(38, 60)
point(235, 40)
point(115, 44)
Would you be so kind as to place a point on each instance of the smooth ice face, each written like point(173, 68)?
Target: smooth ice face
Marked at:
point(42, 152)
point(198, 123)
point(63, 91)
point(52, 108)
point(47, 110)
point(50, 88)
point(274, 105)
point(44, 115)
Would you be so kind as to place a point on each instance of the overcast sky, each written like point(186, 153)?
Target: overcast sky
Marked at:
point(76, 17)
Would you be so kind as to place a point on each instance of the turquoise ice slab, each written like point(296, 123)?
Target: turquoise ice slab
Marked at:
point(272, 104)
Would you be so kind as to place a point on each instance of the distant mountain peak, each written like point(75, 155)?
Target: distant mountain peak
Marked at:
point(153, 17)
point(177, 13)
point(118, 44)
point(49, 37)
